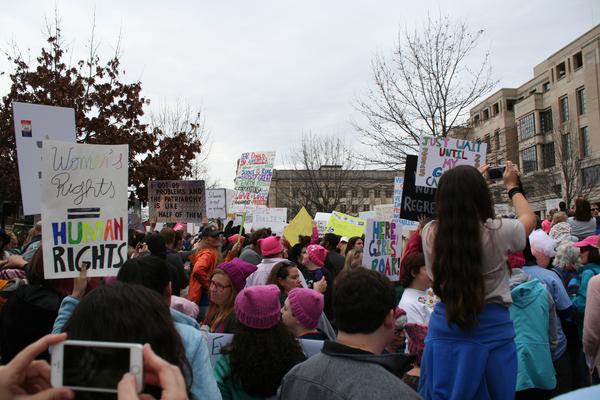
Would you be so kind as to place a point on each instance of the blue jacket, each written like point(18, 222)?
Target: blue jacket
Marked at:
point(587, 272)
point(530, 313)
point(204, 385)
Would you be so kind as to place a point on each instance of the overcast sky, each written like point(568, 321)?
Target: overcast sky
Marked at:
point(266, 71)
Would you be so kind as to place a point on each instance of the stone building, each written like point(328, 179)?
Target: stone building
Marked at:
point(331, 188)
point(550, 125)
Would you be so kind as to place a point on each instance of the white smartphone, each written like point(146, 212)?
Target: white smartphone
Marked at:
point(95, 366)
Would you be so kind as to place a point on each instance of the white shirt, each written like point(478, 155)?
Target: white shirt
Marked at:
point(418, 305)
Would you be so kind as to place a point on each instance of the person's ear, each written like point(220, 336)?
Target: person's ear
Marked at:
point(389, 322)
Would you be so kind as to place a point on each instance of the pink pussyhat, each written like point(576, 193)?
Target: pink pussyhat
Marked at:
point(588, 241)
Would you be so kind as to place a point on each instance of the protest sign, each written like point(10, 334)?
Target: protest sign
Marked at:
point(253, 179)
point(216, 203)
point(439, 154)
point(345, 225)
point(416, 200)
point(216, 341)
point(321, 220)
point(398, 185)
point(274, 218)
point(33, 124)
point(177, 201)
point(300, 225)
point(84, 208)
point(384, 212)
point(382, 251)
point(408, 227)
point(552, 204)
point(366, 215)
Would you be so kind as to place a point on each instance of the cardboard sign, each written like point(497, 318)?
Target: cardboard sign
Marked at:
point(321, 219)
point(345, 225)
point(216, 341)
point(274, 218)
point(84, 208)
point(253, 179)
point(177, 201)
point(439, 154)
point(33, 124)
point(300, 225)
point(384, 212)
point(398, 186)
point(383, 247)
point(416, 200)
point(216, 203)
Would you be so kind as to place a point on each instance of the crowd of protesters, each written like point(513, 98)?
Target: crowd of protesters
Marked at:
point(486, 308)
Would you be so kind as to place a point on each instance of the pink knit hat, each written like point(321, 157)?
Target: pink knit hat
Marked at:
point(317, 254)
point(307, 306)
point(258, 306)
point(588, 241)
point(270, 246)
point(238, 270)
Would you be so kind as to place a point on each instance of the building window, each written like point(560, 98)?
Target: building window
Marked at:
point(581, 101)
point(354, 208)
point(577, 61)
point(567, 146)
point(546, 120)
point(548, 155)
point(343, 208)
point(377, 193)
point(389, 193)
point(564, 108)
point(527, 126)
point(497, 138)
point(331, 193)
point(486, 114)
point(546, 86)
point(510, 105)
point(591, 175)
point(354, 193)
point(585, 141)
point(495, 109)
point(561, 70)
point(366, 193)
point(529, 156)
point(366, 207)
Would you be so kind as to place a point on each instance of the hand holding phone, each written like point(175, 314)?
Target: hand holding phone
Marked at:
point(24, 375)
point(157, 372)
point(95, 366)
point(495, 173)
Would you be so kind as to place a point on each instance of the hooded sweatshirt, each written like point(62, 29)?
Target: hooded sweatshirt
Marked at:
point(531, 314)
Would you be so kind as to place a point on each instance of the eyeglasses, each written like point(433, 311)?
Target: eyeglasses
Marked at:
point(218, 286)
point(594, 209)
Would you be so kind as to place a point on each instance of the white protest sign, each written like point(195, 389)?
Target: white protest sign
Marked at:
point(216, 203)
point(383, 248)
point(84, 208)
point(552, 204)
point(274, 218)
point(177, 201)
point(439, 154)
point(398, 187)
point(253, 179)
point(384, 212)
point(366, 215)
point(33, 124)
point(216, 341)
point(321, 220)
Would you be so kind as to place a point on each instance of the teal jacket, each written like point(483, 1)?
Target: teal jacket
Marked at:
point(587, 272)
point(230, 390)
point(530, 313)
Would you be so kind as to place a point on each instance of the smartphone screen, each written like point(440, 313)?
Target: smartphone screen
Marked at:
point(94, 367)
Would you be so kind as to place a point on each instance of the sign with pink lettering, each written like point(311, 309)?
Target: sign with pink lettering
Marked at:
point(84, 208)
point(439, 154)
point(253, 179)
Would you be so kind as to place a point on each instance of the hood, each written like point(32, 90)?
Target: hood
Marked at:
point(517, 276)
point(527, 292)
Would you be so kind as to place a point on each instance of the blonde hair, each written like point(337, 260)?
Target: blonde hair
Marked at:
point(353, 259)
point(559, 217)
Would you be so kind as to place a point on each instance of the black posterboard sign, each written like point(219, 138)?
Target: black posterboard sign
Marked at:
point(416, 200)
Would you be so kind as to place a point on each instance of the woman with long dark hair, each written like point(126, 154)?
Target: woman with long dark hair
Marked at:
point(470, 343)
point(582, 223)
point(286, 276)
point(262, 351)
